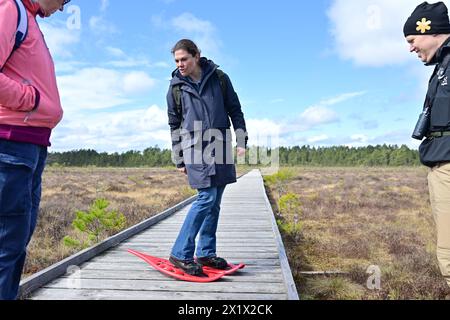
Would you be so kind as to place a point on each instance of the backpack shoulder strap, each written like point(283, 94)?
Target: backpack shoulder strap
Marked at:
point(22, 24)
point(176, 93)
point(223, 83)
point(22, 27)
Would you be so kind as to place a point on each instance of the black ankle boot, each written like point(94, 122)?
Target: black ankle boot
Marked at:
point(189, 266)
point(213, 262)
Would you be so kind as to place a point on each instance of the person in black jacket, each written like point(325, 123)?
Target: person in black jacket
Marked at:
point(201, 101)
point(427, 31)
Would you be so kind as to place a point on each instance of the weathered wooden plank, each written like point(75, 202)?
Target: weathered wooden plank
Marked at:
point(267, 239)
point(220, 238)
point(133, 260)
point(220, 235)
point(234, 226)
point(241, 249)
point(125, 256)
point(221, 286)
point(229, 243)
point(151, 274)
point(149, 248)
point(57, 294)
point(121, 267)
point(242, 228)
point(136, 262)
point(247, 222)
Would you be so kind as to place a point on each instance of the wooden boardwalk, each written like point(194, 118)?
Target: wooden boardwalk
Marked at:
point(247, 233)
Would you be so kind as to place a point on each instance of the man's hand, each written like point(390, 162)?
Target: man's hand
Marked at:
point(241, 152)
point(182, 170)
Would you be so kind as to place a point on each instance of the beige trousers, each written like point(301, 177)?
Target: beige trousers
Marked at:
point(439, 185)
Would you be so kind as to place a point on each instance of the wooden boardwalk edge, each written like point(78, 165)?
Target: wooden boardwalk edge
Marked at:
point(39, 279)
point(284, 262)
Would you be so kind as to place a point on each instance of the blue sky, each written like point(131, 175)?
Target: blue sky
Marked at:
point(321, 73)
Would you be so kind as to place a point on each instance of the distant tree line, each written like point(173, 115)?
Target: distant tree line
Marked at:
point(381, 155)
point(150, 157)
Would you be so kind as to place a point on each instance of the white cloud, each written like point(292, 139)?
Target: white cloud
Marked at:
point(202, 32)
point(59, 39)
point(123, 60)
point(317, 115)
point(67, 66)
point(341, 98)
point(161, 64)
point(137, 81)
point(98, 88)
point(100, 25)
point(394, 137)
point(187, 22)
point(104, 5)
point(114, 131)
point(129, 62)
point(360, 138)
point(320, 138)
point(263, 132)
point(115, 52)
point(370, 32)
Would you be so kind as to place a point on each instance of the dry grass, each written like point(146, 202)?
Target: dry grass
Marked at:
point(356, 217)
point(138, 193)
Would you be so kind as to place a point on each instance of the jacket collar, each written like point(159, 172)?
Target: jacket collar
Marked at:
point(440, 53)
point(33, 7)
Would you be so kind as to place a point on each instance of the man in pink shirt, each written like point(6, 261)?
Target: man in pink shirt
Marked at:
point(30, 108)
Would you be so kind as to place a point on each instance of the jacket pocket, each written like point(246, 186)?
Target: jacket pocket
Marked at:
point(440, 113)
point(434, 150)
point(198, 176)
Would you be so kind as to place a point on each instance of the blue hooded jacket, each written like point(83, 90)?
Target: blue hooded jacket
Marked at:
point(208, 105)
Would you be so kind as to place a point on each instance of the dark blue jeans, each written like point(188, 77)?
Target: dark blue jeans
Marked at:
point(202, 220)
point(21, 167)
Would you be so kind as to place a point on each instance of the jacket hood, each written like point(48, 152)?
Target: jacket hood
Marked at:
point(33, 7)
point(207, 66)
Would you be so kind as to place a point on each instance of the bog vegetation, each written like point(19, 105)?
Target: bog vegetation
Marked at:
point(345, 220)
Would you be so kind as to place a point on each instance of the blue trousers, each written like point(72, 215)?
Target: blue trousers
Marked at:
point(21, 167)
point(202, 220)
